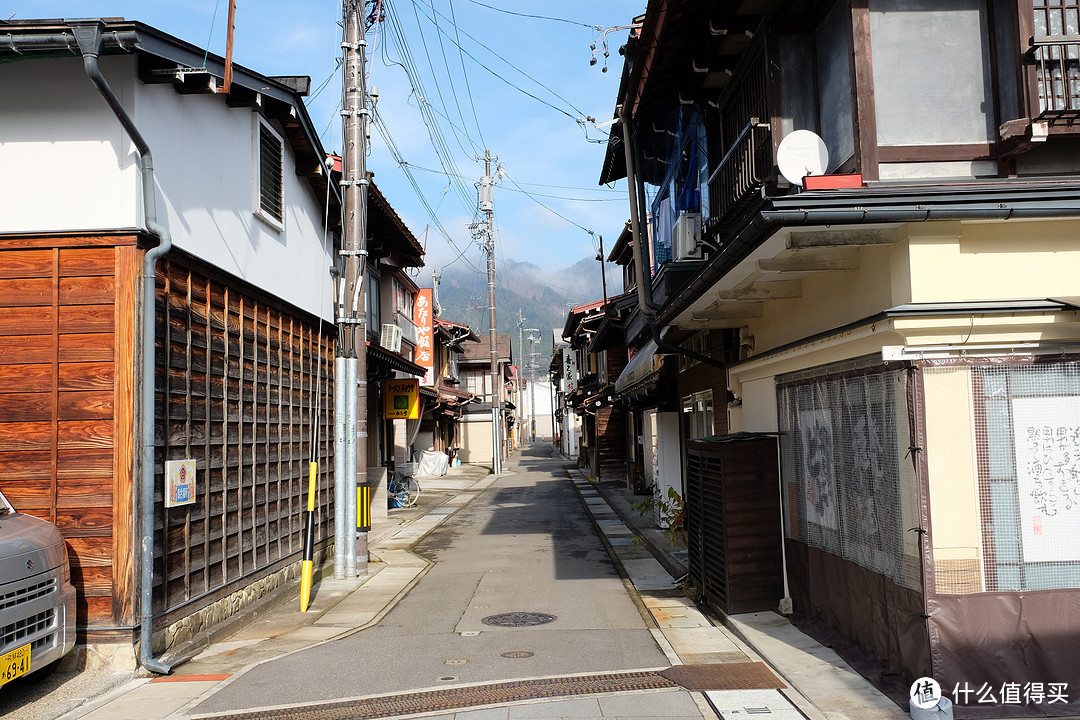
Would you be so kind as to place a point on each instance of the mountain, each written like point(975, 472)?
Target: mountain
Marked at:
point(543, 297)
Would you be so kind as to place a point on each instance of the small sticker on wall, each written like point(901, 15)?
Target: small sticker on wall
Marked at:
point(179, 482)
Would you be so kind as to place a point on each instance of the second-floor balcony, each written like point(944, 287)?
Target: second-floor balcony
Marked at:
point(1055, 77)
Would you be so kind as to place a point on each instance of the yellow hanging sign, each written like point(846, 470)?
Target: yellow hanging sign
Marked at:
point(401, 399)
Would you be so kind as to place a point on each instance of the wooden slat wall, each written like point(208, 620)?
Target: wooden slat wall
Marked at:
point(65, 404)
point(242, 378)
point(733, 523)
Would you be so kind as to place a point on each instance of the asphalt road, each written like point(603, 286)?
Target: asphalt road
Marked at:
point(524, 545)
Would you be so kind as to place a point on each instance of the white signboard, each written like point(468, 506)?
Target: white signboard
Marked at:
point(1047, 436)
point(570, 370)
point(179, 482)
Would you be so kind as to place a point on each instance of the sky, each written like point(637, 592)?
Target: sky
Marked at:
point(455, 78)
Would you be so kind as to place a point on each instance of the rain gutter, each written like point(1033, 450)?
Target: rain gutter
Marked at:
point(89, 37)
point(767, 222)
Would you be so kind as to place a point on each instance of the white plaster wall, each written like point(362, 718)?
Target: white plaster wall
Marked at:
point(66, 164)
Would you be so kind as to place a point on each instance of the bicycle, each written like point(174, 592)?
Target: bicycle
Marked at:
point(402, 490)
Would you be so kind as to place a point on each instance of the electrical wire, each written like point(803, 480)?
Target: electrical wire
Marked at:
point(598, 28)
point(464, 73)
point(549, 209)
point(397, 36)
point(431, 67)
point(580, 119)
point(621, 196)
point(384, 132)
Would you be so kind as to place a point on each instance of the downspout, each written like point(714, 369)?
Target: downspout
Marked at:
point(88, 35)
point(646, 305)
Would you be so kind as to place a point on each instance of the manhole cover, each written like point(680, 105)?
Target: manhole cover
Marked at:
point(517, 654)
point(518, 619)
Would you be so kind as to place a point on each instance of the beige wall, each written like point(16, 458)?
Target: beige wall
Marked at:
point(475, 440)
point(953, 478)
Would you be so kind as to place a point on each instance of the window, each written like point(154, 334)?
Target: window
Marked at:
point(403, 300)
point(271, 185)
point(474, 383)
point(1057, 57)
point(697, 344)
point(373, 314)
point(698, 413)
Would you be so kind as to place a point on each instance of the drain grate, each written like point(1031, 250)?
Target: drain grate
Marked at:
point(519, 619)
point(724, 676)
point(517, 654)
point(454, 698)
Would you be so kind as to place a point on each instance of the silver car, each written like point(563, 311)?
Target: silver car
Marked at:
point(37, 601)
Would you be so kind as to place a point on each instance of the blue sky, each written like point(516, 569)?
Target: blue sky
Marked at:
point(490, 74)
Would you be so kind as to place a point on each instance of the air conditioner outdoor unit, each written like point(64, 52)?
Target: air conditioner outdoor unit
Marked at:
point(390, 338)
point(687, 240)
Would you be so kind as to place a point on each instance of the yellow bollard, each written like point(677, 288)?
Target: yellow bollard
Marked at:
point(309, 541)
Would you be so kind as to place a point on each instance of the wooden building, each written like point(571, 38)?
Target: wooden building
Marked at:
point(900, 312)
point(243, 383)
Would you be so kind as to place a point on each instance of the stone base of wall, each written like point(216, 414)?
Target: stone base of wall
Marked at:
point(217, 618)
point(100, 657)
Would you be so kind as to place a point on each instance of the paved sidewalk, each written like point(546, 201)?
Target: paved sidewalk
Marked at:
point(820, 687)
point(821, 684)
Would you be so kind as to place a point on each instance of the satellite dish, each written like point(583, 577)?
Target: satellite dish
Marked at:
point(802, 153)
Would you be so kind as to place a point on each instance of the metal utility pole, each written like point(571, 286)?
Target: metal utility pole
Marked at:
point(603, 275)
point(533, 340)
point(521, 370)
point(350, 367)
point(487, 184)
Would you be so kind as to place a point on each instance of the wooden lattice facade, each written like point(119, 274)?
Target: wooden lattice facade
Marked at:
point(242, 383)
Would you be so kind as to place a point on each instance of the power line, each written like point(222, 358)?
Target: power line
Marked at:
point(464, 73)
point(537, 17)
point(621, 196)
point(580, 120)
point(549, 209)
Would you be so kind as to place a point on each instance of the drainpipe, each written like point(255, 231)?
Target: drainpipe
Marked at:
point(88, 35)
point(646, 304)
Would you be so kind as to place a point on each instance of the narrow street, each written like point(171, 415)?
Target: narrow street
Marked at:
point(524, 545)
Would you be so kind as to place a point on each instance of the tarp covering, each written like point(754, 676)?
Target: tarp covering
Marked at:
point(430, 463)
point(643, 367)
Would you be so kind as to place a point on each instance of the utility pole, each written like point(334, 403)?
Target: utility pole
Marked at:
point(603, 275)
point(487, 207)
point(521, 371)
point(533, 340)
point(350, 366)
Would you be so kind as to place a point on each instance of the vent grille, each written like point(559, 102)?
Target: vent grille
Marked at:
point(271, 199)
point(19, 631)
point(26, 594)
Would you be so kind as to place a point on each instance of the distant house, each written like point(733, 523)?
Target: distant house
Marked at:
point(595, 337)
point(476, 441)
point(896, 317)
point(441, 429)
point(242, 318)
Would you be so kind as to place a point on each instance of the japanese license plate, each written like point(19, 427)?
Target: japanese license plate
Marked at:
point(14, 664)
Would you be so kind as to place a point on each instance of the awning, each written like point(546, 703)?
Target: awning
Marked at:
point(643, 367)
point(379, 355)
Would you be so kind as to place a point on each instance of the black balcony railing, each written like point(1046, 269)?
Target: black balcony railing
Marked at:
point(744, 170)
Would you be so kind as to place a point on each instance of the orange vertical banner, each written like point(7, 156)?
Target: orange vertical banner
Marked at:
point(425, 336)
